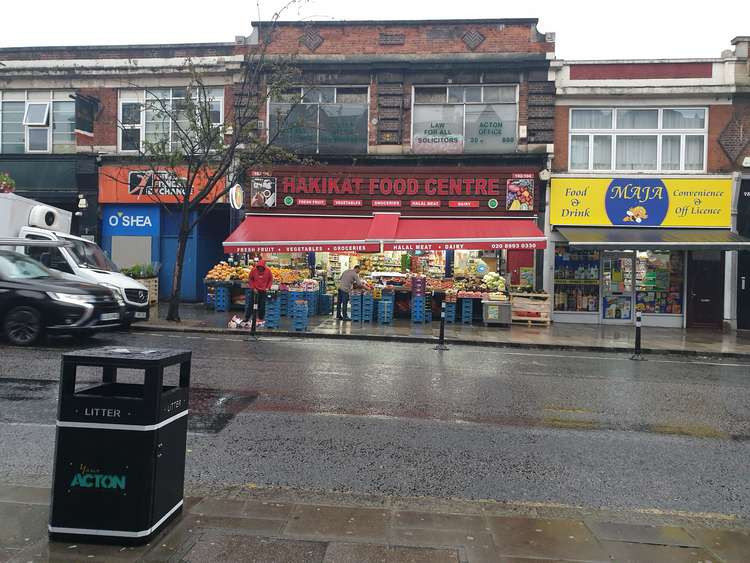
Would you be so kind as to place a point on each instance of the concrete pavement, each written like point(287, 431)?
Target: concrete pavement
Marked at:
point(274, 525)
point(613, 338)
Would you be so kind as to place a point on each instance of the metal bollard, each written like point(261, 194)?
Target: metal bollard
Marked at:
point(441, 339)
point(255, 315)
point(637, 355)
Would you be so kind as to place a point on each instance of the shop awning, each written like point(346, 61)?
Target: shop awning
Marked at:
point(382, 231)
point(415, 233)
point(629, 238)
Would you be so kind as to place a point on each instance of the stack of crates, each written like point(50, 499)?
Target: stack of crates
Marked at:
point(355, 298)
point(467, 311)
point(418, 299)
point(273, 311)
point(450, 313)
point(293, 296)
point(312, 302)
point(222, 299)
point(325, 305)
point(385, 308)
point(367, 307)
point(299, 314)
point(284, 303)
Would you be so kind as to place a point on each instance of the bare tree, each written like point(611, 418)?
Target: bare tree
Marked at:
point(196, 156)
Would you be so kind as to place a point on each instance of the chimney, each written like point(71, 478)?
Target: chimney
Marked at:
point(741, 46)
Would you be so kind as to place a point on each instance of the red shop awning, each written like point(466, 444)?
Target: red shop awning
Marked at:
point(382, 231)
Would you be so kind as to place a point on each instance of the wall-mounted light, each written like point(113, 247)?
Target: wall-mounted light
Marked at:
point(82, 203)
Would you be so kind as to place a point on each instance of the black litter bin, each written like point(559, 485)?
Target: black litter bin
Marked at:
point(120, 449)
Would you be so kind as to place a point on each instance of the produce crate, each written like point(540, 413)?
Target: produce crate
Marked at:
point(300, 316)
point(284, 303)
point(222, 298)
point(293, 296)
point(312, 302)
point(450, 313)
point(273, 312)
point(418, 309)
point(467, 310)
point(385, 311)
point(531, 308)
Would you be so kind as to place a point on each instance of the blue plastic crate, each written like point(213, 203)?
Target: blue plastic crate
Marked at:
point(467, 311)
point(450, 313)
point(222, 299)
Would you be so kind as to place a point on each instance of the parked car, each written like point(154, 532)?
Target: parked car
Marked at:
point(34, 301)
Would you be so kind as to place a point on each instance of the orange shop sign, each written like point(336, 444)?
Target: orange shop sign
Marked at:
point(139, 184)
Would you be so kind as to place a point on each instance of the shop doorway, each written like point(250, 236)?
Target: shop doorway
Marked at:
point(705, 289)
point(617, 286)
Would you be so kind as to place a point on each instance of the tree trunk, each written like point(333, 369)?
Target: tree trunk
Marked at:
point(174, 300)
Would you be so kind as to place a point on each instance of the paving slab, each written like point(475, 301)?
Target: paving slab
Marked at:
point(22, 525)
point(366, 524)
point(26, 495)
point(658, 535)
point(730, 545)
point(546, 538)
point(478, 547)
point(254, 526)
point(437, 521)
point(624, 552)
point(229, 548)
point(371, 553)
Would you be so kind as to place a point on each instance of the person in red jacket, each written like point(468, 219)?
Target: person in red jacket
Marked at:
point(260, 281)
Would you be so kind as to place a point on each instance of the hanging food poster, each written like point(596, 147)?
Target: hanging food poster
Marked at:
point(520, 194)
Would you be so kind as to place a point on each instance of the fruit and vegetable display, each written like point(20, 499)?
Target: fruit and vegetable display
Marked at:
point(494, 282)
point(224, 272)
point(286, 276)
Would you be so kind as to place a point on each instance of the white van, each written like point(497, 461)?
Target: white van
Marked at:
point(28, 219)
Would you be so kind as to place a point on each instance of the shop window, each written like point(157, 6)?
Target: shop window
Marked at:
point(577, 279)
point(638, 139)
point(659, 282)
point(320, 120)
point(465, 119)
point(36, 121)
point(161, 118)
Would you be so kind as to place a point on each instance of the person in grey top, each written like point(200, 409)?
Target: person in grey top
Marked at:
point(348, 281)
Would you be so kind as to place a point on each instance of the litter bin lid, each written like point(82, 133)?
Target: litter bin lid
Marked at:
point(127, 356)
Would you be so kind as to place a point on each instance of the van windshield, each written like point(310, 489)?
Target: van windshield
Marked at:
point(19, 267)
point(89, 255)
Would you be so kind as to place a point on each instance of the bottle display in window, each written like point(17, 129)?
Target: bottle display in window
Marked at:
point(577, 278)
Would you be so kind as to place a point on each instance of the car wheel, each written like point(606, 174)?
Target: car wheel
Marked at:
point(23, 326)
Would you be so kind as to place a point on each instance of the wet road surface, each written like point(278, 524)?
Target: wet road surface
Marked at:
point(540, 426)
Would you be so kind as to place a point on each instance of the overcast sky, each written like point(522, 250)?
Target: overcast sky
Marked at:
point(586, 29)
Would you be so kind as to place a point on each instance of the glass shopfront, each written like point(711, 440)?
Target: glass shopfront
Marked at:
point(613, 285)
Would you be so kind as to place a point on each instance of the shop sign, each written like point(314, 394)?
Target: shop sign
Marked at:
point(641, 202)
point(130, 220)
point(338, 247)
point(496, 190)
point(135, 184)
point(505, 245)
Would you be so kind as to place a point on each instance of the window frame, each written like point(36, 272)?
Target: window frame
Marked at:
point(140, 96)
point(335, 87)
point(660, 132)
point(464, 104)
point(40, 97)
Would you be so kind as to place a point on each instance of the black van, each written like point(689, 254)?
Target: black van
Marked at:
point(35, 301)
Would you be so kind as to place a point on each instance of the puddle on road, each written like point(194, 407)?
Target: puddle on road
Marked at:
point(35, 402)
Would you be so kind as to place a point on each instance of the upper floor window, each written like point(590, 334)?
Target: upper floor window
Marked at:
point(465, 119)
point(37, 121)
point(638, 139)
point(160, 116)
point(320, 120)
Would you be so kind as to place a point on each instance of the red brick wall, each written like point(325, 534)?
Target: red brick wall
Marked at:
point(562, 122)
point(718, 118)
point(105, 126)
point(364, 40)
point(640, 71)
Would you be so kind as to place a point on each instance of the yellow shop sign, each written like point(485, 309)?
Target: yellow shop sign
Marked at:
point(641, 202)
